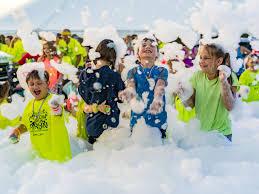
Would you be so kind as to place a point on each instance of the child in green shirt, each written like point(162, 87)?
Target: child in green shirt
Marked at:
point(44, 119)
point(214, 91)
point(250, 77)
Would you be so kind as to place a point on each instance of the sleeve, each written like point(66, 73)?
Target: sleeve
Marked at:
point(77, 50)
point(120, 84)
point(163, 74)
point(131, 73)
point(234, 79)
point(82, 88)
point(193, 80)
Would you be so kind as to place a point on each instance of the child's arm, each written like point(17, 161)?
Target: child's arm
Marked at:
point(15, 135)
point(55, 104)
point(129, 92)
point(159, 92)
point(228, 96)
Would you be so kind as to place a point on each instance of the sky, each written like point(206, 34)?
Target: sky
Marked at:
point(126, 14)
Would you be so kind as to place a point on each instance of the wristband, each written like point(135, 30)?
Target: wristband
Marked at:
point(95, 108)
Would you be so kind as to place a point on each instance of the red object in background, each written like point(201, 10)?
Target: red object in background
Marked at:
point(54, 75)
point(163, 61)
point(26, 57)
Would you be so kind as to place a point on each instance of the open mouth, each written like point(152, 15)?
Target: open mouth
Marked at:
point(37, 92)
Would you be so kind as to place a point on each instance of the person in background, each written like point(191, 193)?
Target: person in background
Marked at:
point(250, 77)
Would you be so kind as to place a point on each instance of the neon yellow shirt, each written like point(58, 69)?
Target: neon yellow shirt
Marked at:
point(183, 114)
point(48, 133)
point(209, 106)
point(17, 51)
point(71, 50)
point(248, 78)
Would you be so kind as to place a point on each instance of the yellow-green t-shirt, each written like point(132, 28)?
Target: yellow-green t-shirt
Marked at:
point(71, 50)
point(209, 106)
point(48, 133)
point(184, 114)
point(17, 51)
point(248, 78)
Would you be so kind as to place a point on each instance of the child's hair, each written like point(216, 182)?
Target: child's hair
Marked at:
point(107, 51)
point(216, 51)
point(35, 75)
point(51, 47)
point(4, 89)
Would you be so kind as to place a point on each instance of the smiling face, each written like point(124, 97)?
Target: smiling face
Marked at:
point(148, 50)
point(208, 63)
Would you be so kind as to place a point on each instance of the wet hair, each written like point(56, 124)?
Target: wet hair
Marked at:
point(52, 48)
point(35, 75)
point(4, 90)
point(107, 51)
point(216, 51)
point(246, 45)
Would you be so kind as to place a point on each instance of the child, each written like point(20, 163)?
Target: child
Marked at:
point(44, 119)
point(148, 79)
point(5, 122)
point(55, 78)
point(250, 77)
point(99, 87)
point(214, 90)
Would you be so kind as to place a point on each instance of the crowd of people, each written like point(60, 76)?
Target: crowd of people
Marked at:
point(94, 99)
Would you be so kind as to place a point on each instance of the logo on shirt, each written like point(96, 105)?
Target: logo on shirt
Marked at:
point(38, 122)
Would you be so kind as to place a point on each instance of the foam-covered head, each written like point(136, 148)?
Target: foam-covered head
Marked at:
point(146, 48)
point(107, 50)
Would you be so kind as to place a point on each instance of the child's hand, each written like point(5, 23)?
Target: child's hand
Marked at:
point(55, 104)
point(224, 72)
point(184, 92)
point(127, 94)
point(15, 136)
point(88, 108)
point(157, 106)
point(105, 109)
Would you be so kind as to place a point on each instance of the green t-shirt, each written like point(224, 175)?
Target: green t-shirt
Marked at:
point(248, 78)
point(48, 133)
point(209, 106)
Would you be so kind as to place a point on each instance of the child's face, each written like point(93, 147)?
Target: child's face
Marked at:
point(252, 62)
point(46, 49)
point(148, 50)
point(38, 88)
point(208, 63)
